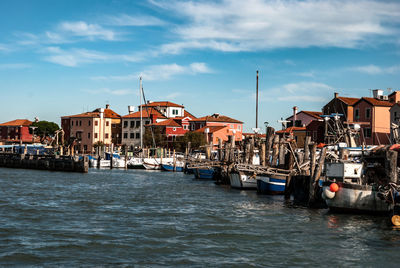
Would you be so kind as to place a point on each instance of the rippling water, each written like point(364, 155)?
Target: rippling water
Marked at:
point(141, 218)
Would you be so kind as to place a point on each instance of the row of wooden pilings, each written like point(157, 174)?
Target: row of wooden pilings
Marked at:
point(305, 165)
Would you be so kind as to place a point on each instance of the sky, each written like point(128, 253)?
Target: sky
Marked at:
point(61, 58)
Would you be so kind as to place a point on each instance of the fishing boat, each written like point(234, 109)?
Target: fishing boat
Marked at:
point(204, 173)
point(135, 163)
point(155, 163)
point(243, 180)
point(344, 190)
point(171, 166)
point(271, 183)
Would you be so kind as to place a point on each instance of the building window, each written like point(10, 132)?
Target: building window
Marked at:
point(175, 112)
point(113, 125)
point(239, 127)
point(356, 113)
point(107, 123)
point(192, 126)
point(125, 135)
point(132, 125)
point(137, 135)
point(80, 122)
point(76, 122)
point(368, 113)
point(72, 123)
point(96, 123)
point(174, 129)
point(106, 135)
point(88, 135)
point(367, 132)
point(147, 122)
point(89, 123)
point(95, 135)
point(132, 136)
point(85, 147)
point(185, 127)
point(137, 124)
point(125, 124)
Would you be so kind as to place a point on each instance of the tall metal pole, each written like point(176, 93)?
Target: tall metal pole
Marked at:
point(257, 103)
point(141, 115)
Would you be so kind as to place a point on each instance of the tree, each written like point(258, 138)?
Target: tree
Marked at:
point(45, 128)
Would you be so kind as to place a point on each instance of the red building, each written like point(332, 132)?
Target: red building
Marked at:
point(16, 131)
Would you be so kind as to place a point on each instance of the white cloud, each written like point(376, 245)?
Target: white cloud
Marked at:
point(137, 20)
point(374, 70)
point(3, 47)
point(230, 25)
point(91, 31)
point(297, 92)
point(14, 66)
point(75, 57)
point(160, 72)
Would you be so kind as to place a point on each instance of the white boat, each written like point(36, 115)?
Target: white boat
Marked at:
point(135, 163)
point(155, 163)
point(243, 180)
point(349, 193)
point(117, 163)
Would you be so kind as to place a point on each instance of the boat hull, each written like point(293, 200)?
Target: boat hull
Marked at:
point(169, 167)
point(357, 198)
point(271, 184)
point(204, 173)
point(241, 180)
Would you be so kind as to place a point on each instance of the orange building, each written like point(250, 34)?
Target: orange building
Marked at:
point(341, 105)
point(218, 126)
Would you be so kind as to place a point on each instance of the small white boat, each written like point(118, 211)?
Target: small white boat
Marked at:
point(135, 163)
point(243, 180)
point(155, 163)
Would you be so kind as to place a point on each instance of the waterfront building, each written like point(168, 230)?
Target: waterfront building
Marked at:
point(16, 131)
point(99, 126)
point(341, 105)
point(217, 126)
point(373, 115)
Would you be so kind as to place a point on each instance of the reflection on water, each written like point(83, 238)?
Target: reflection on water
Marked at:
point(135, 217)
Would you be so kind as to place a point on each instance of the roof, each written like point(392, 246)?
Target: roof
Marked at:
point(253, 134)
point(291, 129)
point(162, 104)
point(167, 123)
point(218, 118)
point(376, 102)
point(211, 129)
point(108, 113)
point(17, 123)
point(187, 114)
point(313, 114)
point(146, 113)
point(349, 101)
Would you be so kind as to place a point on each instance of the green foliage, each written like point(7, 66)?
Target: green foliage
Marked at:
point(45, 128)
point(159, 137)
point(98, 144)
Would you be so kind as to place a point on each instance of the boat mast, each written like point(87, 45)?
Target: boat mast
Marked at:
point(257, 102)
point(141, 115)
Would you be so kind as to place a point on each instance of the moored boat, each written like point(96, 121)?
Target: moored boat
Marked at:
point(204, 173)
point(271, 184)
point(243, 180)
point(170, 166)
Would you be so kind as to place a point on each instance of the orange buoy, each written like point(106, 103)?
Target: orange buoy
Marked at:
point(334, 187)
point(396, 220)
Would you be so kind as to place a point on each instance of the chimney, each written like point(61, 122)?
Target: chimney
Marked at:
point(216, 115)
point(294, 115)
point(107, 106)
point(131, 109)
point(153, 118)
point(336, 95)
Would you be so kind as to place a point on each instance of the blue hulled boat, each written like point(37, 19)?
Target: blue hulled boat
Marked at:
point(204, 173)
point(170, 167)
point(271, 184)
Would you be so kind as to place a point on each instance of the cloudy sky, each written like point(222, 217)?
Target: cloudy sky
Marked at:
point(66, 57)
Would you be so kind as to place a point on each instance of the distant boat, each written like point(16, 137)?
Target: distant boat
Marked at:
point(179, 166)
point(155, 163)
point(271, 184)
point(204, 173)
point(135, 163)
point(243, 180)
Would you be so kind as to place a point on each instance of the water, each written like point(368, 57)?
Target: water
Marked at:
point(139, 218)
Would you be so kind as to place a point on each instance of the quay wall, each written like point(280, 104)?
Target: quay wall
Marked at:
point(45, 162)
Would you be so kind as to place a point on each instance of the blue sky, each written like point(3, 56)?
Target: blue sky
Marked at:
point(65, 57)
